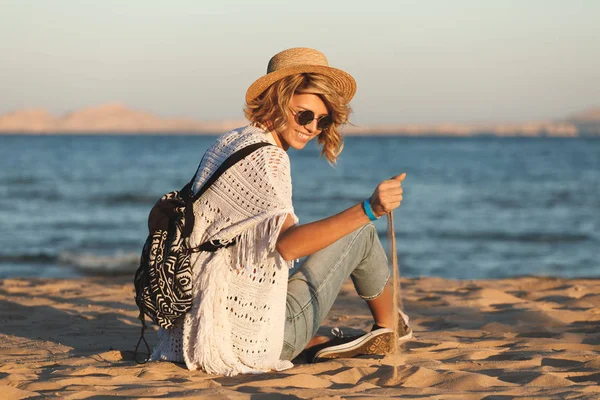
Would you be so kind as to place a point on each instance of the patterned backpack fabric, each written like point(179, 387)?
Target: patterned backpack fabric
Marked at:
point(163, 281)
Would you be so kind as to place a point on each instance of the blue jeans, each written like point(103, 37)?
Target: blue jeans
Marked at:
point(314, 286)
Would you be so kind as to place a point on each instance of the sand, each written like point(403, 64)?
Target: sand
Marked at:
point(489, 339)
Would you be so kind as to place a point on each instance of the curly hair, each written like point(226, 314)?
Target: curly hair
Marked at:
point(272, 106)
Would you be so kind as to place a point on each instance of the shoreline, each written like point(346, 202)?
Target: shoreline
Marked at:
point(525, 336)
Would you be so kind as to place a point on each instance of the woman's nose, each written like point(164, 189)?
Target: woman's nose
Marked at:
point(312, 125)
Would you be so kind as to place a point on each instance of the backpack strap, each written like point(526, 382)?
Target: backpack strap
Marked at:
point(142, 338)
point(229, 162)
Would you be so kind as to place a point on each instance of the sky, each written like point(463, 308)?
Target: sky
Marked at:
point(418, 61)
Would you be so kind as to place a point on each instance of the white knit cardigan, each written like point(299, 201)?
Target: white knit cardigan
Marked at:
point(238, 314)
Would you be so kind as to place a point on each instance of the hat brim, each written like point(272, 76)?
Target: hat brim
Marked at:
point(342, 81)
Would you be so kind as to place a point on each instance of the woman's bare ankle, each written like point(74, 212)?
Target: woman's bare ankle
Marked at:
point(382, 308)
point(317, 339)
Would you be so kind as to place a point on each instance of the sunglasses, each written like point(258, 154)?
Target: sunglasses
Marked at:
point(305, 117)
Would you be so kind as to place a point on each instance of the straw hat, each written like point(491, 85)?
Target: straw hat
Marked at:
point(299, 60)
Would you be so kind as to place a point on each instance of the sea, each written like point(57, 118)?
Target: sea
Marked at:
point(474, 208)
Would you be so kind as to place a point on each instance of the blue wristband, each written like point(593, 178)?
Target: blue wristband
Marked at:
point(368, 210)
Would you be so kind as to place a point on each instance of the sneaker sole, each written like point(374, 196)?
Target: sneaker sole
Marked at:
point(379, 344)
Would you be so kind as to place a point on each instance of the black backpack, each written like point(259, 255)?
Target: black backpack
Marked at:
point(163, 281)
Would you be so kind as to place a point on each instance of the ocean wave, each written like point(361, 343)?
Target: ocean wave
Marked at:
point(125, 199)
point(19, 180)
point(544, 200)
point(37, 258)
point(531, 237)
point(120, 263)
point(87, 225)
point(383, 233)
point(34, 194)
point(505, 203)
point(333, 199)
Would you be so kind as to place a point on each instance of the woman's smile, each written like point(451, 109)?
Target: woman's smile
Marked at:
point(304, 136)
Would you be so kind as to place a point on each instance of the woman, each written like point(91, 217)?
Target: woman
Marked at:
point(248, 315)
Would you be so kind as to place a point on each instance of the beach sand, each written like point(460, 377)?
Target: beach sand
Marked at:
point(526, 337)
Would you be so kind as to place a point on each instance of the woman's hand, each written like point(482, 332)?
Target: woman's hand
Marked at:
point(387, 196)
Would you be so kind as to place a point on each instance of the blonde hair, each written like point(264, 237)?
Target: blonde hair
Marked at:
point(272, 106)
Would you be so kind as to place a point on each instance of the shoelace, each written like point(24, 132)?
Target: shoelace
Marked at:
point(337, 332)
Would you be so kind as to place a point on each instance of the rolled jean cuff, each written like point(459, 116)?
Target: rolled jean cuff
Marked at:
point(380, 291)
point(287, 351)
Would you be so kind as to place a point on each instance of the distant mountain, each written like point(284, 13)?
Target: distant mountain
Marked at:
point(119, 119)
point(587, 122)
point(27, 121)
point(593, 114)
point(531, 129)
point(107, 118)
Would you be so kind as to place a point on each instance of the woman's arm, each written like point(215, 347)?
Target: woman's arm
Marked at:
point(297, 241)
